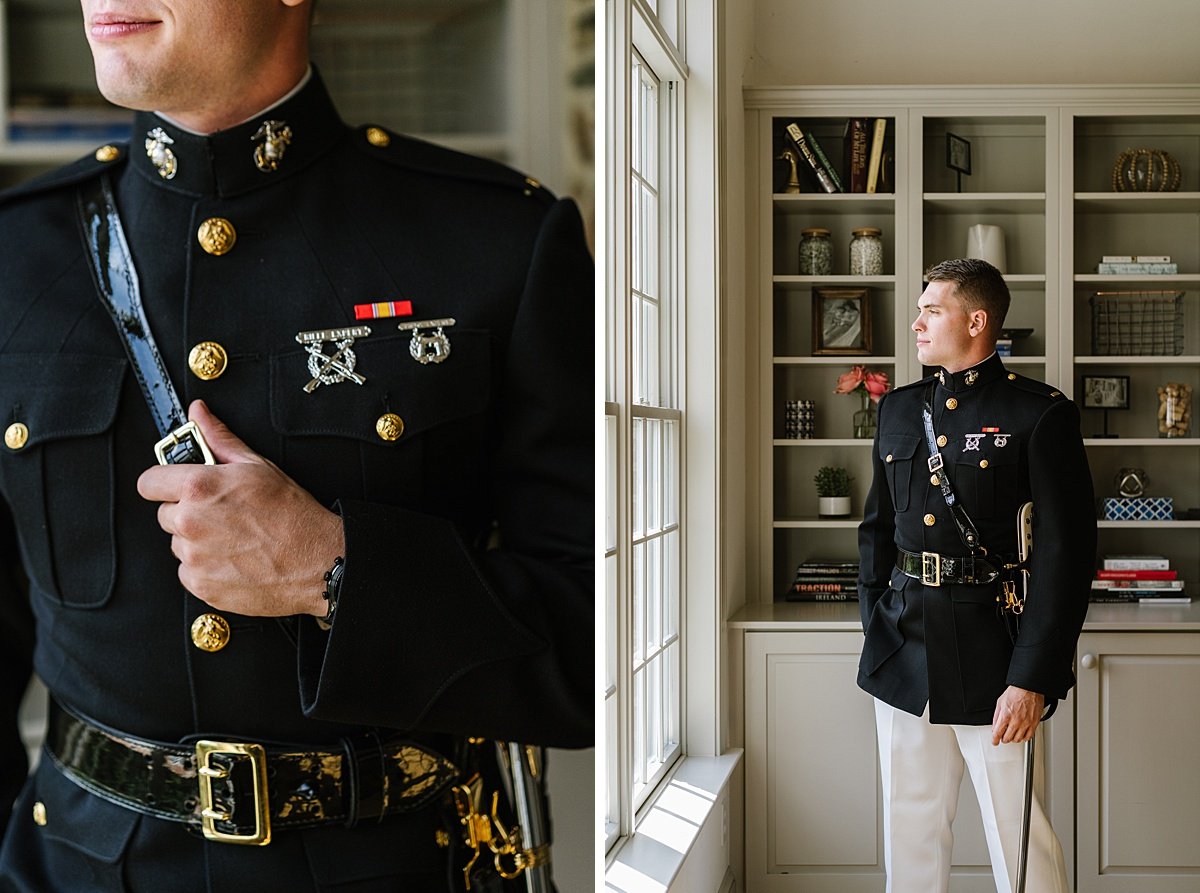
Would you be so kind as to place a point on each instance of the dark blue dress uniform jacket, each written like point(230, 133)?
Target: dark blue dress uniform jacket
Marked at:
point(948, 646)
point(466, 607)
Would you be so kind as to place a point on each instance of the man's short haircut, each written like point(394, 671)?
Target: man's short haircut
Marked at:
point(978, 284)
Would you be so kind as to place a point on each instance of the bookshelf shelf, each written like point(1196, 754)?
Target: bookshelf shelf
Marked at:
point(986, 202)
point(790, 281)
point(1138, 202)
point(807, 523)
point(1119, 360)
point(862, 202)
point(834, 361)
point(822, 442)
point(1147, 525)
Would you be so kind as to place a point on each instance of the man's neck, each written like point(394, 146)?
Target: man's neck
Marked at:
point(205, 123)
point(972, 359)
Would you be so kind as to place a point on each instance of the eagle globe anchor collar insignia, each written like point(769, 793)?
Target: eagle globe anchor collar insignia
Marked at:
point(331, 369)
point(433, 347)
point(275, 136)
point(160, 156)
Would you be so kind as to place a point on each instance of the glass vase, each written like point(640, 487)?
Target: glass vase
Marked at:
point(865, 419)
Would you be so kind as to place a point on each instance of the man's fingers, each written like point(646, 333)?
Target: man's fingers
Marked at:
point(164, 483)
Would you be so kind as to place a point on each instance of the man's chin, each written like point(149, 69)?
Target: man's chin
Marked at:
point(123, 84)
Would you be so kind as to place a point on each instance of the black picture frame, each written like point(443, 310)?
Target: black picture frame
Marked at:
point(841, 322)
point(1105, 391)
point(958, 153)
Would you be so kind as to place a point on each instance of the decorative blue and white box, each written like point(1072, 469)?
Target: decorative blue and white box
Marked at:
point(1139, 508)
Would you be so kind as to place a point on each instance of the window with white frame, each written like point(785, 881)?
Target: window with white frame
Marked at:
point(644, 421)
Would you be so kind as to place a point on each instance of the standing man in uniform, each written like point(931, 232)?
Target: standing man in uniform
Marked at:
point(960, 672)
point(387, 349)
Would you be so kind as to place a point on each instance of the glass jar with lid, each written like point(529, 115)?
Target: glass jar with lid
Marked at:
point(866, 252)
point(816, 252)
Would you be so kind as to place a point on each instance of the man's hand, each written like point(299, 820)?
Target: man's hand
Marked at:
point(248, 538)
point(1017, 715)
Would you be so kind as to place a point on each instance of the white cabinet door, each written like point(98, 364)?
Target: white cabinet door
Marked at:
point(813, 808)
point(1138, 779)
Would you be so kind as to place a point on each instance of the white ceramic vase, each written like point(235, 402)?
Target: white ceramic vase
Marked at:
point(833, 506)
point(986, 242)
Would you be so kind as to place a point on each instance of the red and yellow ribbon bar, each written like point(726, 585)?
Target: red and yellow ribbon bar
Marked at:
point(383, 310)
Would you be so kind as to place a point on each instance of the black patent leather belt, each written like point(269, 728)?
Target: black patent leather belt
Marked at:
point(933, 569)
point(238, 791)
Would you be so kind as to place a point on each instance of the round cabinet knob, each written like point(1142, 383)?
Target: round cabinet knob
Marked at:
point(1088, 661)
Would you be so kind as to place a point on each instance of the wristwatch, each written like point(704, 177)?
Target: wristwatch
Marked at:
point(333, 588)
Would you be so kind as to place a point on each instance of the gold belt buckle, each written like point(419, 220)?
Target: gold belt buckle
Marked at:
point(931, 560)
point(187, 429)
point(210, 814)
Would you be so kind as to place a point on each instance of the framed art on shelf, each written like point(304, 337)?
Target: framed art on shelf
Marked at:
point(841, 322)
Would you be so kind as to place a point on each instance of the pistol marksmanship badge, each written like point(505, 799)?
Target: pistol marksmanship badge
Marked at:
point(972, 442)
point(275, 136)
point(433, 347)
point(160, 156)
point(340, 365)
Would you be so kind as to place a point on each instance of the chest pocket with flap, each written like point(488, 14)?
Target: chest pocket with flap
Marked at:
point(58, 477)
point(898, 452)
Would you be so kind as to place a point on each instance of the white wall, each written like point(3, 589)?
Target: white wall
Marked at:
point(972, 42)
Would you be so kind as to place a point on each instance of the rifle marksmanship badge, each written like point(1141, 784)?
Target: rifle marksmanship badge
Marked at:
point(163, 159)
point(275, 136)
point(338, 366)
point(429, 342)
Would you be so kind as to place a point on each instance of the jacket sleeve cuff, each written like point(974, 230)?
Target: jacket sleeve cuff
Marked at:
point(1041, 668)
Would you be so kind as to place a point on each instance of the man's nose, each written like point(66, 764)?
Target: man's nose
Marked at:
point(917, 325)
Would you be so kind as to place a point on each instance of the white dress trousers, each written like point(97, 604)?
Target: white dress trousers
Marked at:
point(921, 765)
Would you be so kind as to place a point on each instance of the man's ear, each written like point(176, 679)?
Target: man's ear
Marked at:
point(978, 322)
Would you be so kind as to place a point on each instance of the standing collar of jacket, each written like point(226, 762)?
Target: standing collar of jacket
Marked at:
point(974, 377)
point(237, 160)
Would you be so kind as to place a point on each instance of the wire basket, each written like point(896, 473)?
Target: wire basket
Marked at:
point(1137, 323)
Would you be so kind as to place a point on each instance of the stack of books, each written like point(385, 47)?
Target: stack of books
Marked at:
point(824, 580)
point(863, 156)
point(1137, 265)
point(1138, 579)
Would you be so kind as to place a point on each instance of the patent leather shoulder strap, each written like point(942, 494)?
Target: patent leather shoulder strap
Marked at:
point(116, 283)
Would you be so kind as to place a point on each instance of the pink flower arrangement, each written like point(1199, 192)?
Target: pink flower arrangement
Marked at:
point(862, 379)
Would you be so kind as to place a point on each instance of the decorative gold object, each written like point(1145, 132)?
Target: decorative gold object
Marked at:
point(275, 136)
point(793, 184)
point(389, 427)
point(163, 159)
point(952, 403)
point(378, 137)
point(971, 377)
point(930, 520)
point(983, 463)
point(208, 360)
point(1146, 170)
point(16, 436)
point(210, 632)
point(217, 236)
point(941, 441)
point(108, 153)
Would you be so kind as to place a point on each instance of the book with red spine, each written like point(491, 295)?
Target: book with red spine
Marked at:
point(1137, 575)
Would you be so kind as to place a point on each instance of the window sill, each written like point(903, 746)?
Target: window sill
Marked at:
point(651, 858)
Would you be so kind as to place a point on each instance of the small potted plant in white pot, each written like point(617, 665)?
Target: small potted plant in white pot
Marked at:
point(833, 491)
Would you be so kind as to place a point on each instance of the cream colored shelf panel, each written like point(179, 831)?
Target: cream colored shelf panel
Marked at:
point(1138, 202)
point(847, 281)
point(1144, 525)
point(52, 152)
point(822, 441)
point(987, 202)
point(1141, 441)
point(852, 202)
point(1121, 360)
point(823, 523)
point(1024, 280)
point(1162, 281)
point(840, 360)
point(1017, 361)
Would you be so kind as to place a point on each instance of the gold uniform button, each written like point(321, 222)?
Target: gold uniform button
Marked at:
point(39, 813)
point(389, 427)
point(983, 463)
point(16, 436)
point(952, 403)
point(1055, 393)
point(1012, 376)
point(216, 236)
point(208, 360)
point(108, 153)
point(210, 632)
point(888, 458)
point(378, 137)
point(941, 441)
point(935, 480)
point(930, 520)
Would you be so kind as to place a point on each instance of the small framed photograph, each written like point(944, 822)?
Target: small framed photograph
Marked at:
point(841, 321)
point(1106, 391)
point(958, 153)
